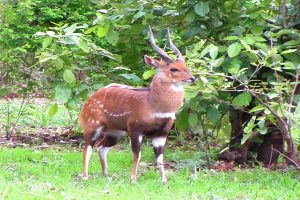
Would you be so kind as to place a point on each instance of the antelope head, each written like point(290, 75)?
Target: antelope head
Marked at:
point(170, 70)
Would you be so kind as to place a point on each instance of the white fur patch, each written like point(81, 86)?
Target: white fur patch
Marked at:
point(103, 151)
point(140, 138)
point(118, 85)
point(164, 115)
point(115, 133)
point(89, 151)
point(177, 88)
point(159, 141)
point(160, 159)
point(97, 133)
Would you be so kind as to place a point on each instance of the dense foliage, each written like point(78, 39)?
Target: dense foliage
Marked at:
point(245, 54)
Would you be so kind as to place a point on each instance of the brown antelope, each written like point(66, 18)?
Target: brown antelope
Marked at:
point(116, 109)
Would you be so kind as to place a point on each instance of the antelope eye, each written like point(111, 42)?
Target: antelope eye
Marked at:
point(174, 70)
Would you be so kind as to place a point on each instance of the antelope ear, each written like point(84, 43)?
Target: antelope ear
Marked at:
point(153, 62)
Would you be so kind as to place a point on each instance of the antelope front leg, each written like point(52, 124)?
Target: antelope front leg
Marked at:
point(158, 146)
point(136, 140)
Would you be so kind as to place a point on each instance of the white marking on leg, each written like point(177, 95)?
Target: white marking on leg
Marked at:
point(160, 164)
point(164, 115)
point(97, 133)
point(159, 141)
point(160, 159)
point(102, 151)
point(140, 138)
point(89, 151)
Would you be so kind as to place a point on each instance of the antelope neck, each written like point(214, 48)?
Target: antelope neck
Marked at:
point(163, 97)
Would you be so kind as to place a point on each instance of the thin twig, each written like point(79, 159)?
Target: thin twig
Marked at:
point(293, 93)
point(296, 164)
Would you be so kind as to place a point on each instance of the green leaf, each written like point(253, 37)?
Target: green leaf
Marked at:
point(62, 93)
point(103, 30)
point(193, 119)
point(190, 17)
point(248, 39)
point(58, 63)
point(92, 29)
point(289, 51)
point(182, 120)
point(261, 127)
point(202, 8)
point(52, 110)
point(204, 51)
point(213, 51)
point(232, 37)
point(81, 44)
point(68, 76)
point(248, 130)
point(46, 42)
point(257, 30)
point(257, 108)
point(234, 50)
point(199, 45)
point(132, 77)
point(148, 74)
point(189, 94)
point(69, 30)
point(243, 99)
point(213, 115)
point(272, 95)
point(138, 15)
point(259, 39)
point(112, 36)
point(247, 47)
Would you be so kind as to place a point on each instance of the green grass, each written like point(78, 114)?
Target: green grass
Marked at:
point(54, 174)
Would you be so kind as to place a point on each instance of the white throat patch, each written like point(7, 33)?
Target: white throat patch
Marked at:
point(164, 115)
point(176, 87)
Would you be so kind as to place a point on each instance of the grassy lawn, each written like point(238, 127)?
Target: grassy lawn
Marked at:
point(29, 173)
point(54, 174)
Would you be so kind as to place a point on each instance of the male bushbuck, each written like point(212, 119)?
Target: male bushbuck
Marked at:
point(116, 109)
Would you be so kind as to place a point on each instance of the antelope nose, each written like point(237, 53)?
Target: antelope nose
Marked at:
point(192, 79)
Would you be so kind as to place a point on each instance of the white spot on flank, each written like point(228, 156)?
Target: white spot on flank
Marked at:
point(164, 115)
point(97, 133)
point(93, 121)
point(177, 88)
point(94, 99)
point(101, 106)
point(98, 102)
point(159, 141)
